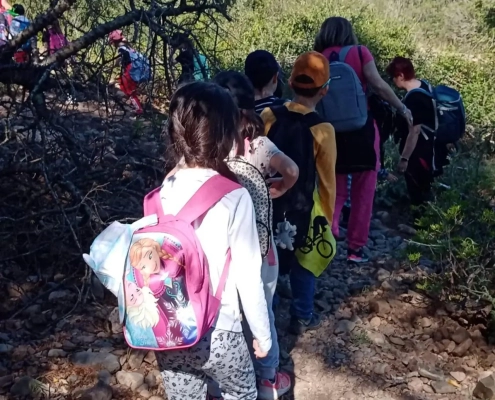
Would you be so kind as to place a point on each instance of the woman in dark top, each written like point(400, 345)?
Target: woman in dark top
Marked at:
point(416, 143)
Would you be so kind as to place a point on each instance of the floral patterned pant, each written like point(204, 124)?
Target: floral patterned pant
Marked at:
point(221, 356)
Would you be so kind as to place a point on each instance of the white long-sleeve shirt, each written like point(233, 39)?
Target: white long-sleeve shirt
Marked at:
point(230, 224)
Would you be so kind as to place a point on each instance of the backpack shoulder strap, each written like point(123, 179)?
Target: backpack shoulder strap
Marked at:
point(210, 193)
point(312, 119)
point(206, 196)
point(280, 111)
point(343, 53)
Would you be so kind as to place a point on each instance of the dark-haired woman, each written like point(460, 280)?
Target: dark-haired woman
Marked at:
point(358, 153)
point(257, 152)
point(203, 128)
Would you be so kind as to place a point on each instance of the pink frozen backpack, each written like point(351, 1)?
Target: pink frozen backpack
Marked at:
point(169, 303)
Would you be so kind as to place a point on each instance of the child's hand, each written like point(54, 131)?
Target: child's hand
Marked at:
point(391, 178)
point(257, 352)
point(277, 187)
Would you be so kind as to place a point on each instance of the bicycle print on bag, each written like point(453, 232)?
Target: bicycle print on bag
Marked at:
point(159, 314)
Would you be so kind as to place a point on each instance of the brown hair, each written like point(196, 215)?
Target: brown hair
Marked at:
point(203, 126)
point(401, 65)
point(335, 31)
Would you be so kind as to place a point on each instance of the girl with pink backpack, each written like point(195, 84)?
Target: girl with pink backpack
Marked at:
point(203, 128)
point(53, 38)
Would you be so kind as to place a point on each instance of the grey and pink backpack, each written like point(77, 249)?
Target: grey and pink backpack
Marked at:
point(159, 272)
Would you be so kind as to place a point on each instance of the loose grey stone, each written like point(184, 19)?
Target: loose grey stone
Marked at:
point(132, 380)
point(459, 376)
point(5, 348)
point(136, 358)
point(27, 387)
point(345, 326)
point(443, 387)
point(415, 384)
point(106, 360)
point(460, 335)
point(462, 348)
point(431, 373)
point(59, 295)
point(56, 353)
point(485, 388)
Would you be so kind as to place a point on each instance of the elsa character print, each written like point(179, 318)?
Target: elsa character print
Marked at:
point(154, 267)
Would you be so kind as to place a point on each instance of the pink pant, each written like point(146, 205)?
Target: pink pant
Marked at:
point(362, 194)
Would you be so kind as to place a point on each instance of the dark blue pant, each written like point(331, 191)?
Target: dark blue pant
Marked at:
point(302, 283)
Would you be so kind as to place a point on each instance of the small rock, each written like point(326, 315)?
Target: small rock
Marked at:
point(375, 322)
point(101, 391)
point(396, 340)
point(152, 379)
point(145, 394)
point(5, 348)
point(6, 380)
point(415, 385)
point(388, 286)
point(56, 353)
point(431, 373)
point(425, 322)
point(27, 387)
point(150, 357)
point(472, 362)
point(443, 387)
point(32, 310)
point(345, 326)
point(381, 369)
point(377, 338)
point(380, 307)
point(106, 360)
point(406, 229)
point(459, 376)
point(132, 380)
point(485, 388)
point(484, 374)
point(136, 358)
point(382, 275)
point(462, 348)
point(460, 335)
point(115, 321)
point(383, 215)
point(59, 295)
point(450, 347)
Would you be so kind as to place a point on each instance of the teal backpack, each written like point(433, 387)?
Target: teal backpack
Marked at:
point(200, 62)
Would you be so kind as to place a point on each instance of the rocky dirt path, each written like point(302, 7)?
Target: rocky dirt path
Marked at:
point(380, 339)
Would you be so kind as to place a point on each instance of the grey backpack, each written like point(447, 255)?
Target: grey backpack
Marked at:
point(345, 105)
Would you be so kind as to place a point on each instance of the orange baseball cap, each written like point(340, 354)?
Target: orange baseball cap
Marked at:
point(311, 70)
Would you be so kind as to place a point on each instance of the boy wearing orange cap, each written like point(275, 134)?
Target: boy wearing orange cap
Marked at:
point(302, 135)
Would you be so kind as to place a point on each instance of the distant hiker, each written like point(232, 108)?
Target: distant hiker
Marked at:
point(5, 19)
point(358, 140)
point(264, 73)
point(135, 69)
point(53, 38)
point(259, 159)
point(19, 23)
point(194, 65)
point(297, 130)
point(438, 124)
